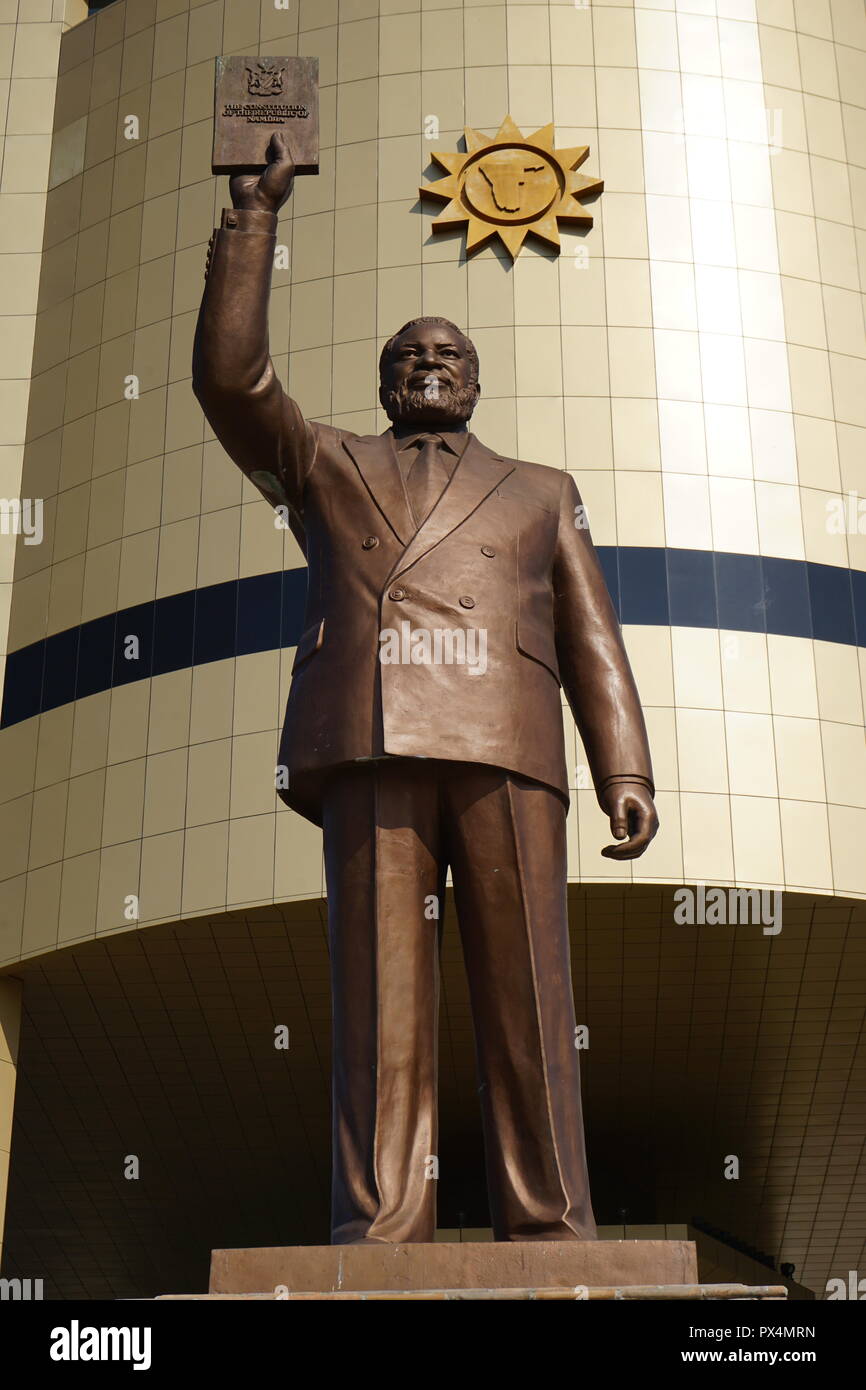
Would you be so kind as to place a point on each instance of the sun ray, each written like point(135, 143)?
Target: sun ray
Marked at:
point(543, 137)
point(477, 232)
point(474, 140)
point(451, 216)
point(547, 228)
point(508, 131)
point(452, 160)
point(510, 185)
point(443, 188)
point(572, 158)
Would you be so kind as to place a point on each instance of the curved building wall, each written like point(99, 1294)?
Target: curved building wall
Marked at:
point(696, 358)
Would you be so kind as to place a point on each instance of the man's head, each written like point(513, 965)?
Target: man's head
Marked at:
point(428, 375)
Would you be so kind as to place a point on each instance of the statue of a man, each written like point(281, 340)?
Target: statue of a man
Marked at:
point(451, 594)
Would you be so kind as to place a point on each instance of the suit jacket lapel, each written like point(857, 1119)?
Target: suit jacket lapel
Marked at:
point(377, 463)
point(475, 477)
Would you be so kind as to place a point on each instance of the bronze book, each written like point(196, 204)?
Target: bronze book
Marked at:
point(254, 97)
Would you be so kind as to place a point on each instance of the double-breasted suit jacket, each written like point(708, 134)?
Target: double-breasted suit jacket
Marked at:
point(506, 552)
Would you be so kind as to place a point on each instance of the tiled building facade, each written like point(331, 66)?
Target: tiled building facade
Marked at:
point(697, 359)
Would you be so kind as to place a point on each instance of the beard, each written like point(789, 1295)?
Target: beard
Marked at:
point(446, 406)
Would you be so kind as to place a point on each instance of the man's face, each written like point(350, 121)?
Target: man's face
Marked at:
point(428, 382)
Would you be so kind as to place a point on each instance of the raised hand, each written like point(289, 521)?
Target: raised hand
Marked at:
point(267, 191)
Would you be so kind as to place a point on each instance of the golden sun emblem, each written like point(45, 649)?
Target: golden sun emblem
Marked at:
point(511, 185)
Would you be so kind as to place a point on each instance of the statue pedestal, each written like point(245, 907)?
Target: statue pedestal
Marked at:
point(539, 1264)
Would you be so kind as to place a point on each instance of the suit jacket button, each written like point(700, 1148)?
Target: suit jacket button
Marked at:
point(370, 542)
point(466, 601)
point(397, 594)
point(488, 551)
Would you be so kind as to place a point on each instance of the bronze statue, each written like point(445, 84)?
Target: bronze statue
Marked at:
point(451, 594)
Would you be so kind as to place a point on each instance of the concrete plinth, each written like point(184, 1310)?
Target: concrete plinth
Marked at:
point(492, 1265)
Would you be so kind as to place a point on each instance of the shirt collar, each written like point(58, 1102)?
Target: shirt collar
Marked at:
point(454, 440)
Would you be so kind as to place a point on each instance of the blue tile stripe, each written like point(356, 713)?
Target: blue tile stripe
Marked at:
point(650, 585)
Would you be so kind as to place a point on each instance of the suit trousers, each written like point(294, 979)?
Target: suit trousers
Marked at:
point(392, 827)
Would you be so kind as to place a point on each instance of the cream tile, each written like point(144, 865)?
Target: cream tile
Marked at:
point(848, 375)
point(798, 245)
point(618, 98)
point(656, 36)
point(165, 792)
point(824, 127)
point(751, 754)
point(632, 365)
point(751, 173)
point(832, 188)
point(669, 229)
point(687, 511)
point(838, 254)
point(636, 428)
point(257, 698)
point(713, 233)
point(124, 802)
point(44, 828)
point(847, 828)
point(773, 445)
point(649, 650)
point(701, 750)
point(717, 294)
point(678, 365)
point(707, 840)
point(664, 160)
point(675, 296)
point(127, 729)
point(697, 669)
point(624, 220)
point(208, 782)
point(298, 869)
point(729, 448)
point(39, 932)
point(806, 845)
point(84, 813)
point(780, 525)
point(161, 877)
point(661, 101)
point(620, 155)
point(640, 509)
point(723, 368)
point(799, 759)
point(598, 496)
point(90, 733)
point(745, 672)
point(811, 391)
point(708, 169)
point(838, 683)
point(662, 734)
point(844, 763)
point(817, 454)
point(825, 515)
point(757, 842)
point(585, 362)
point(78, 898)
point(681, 435)
point(204, 867)
point(792, 676)
point(540, 431)
point(588, 433)
point(169, 725)
point(251, 859)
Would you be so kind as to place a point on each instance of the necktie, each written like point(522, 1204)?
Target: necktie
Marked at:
point(427, 477)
